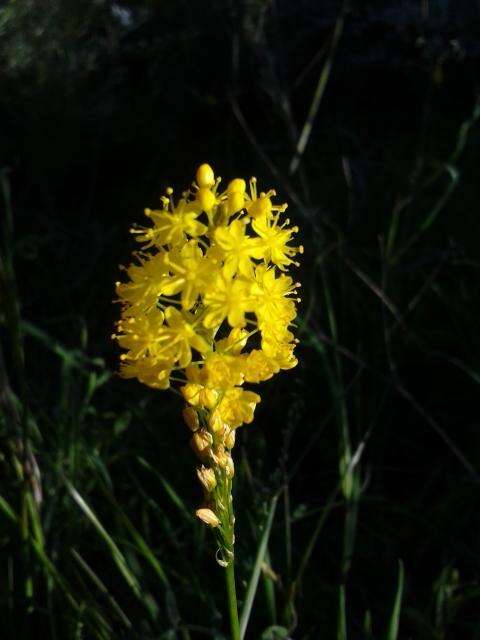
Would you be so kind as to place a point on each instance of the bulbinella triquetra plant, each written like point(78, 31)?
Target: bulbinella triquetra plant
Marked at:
point(208, 307)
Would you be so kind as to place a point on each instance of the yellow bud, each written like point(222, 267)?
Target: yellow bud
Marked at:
point(201, 442)
point(215, 422)
point(262, 206)
point(207, 478)
point(230, 439)
point(191, 393)
point(236, 186)
point(220, 457)
point(206, 199)
point(191, 418)
point(236, 202)
point(207, 516)
point(205, 176)
point(229, 467)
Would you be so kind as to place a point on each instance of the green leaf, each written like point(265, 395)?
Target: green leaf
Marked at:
point(253, 584)
point(116, 554)
point(397, 605)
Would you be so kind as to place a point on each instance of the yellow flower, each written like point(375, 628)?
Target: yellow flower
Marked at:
point(196, 391)
point(152, 372)
point(223, 370)
point(275, 242)
point(237, 406)
point(261, 207)
point(171, 227)
point(280, 352)
point(237, 248)
point(145, 286)
point(227, 298)
point(272, 296)
point(145, 335)
point(183, 336)
point(191, 273)
point(257, 366)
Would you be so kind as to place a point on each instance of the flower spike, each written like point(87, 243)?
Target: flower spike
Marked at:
point(208, 307)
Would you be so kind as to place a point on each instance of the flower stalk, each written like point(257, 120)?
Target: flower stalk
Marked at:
point(232, 601)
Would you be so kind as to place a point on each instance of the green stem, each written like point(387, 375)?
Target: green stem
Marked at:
point(232, 600)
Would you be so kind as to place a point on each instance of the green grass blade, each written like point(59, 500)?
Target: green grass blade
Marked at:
point(7, 510)
point(397, 605)
point(254, 578)
point(269, 589)
point(115, 552)
point(318, 95)
point(321, 521)
point(172, 494)
point(342, 615)
point(140, 542)
point(102, 588)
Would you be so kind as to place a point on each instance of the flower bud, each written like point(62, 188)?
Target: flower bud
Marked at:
point(229, 466)
point(230, 439)
point(206, 475)
point(201, 442)
point(236, 186)
point(209, 397)
point(206, 199)
point(215, 422)
point(220, 456)
point(207, 516)
point(205, 176)
point(190, 417)
point(236, 202)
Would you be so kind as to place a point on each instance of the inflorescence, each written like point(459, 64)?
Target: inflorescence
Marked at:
point(208, 307)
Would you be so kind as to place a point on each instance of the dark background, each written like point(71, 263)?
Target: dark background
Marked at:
point(102, 105)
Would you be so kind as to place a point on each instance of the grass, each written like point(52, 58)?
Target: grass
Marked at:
point(356, 487)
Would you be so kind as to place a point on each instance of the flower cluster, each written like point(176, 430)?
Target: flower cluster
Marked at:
point(208, 305)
